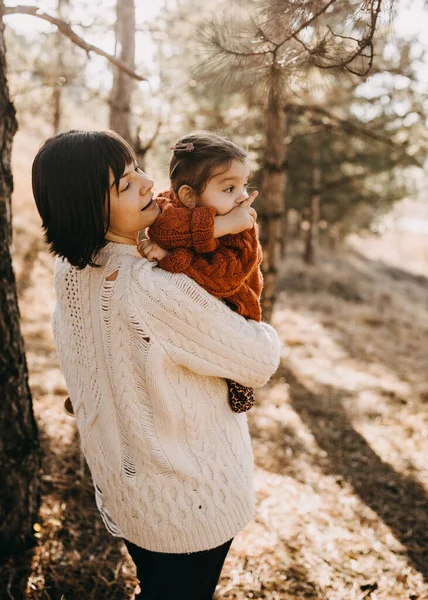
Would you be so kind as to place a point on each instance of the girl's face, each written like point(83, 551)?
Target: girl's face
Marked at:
point(132, 206)
point(226, 189)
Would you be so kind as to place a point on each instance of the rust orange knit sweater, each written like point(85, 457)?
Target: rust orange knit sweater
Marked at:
point(227, 267)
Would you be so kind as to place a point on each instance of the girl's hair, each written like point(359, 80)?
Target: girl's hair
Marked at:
point(197, 155)
point(71, 188)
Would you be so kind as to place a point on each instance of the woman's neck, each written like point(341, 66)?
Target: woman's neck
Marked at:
point(121, 239)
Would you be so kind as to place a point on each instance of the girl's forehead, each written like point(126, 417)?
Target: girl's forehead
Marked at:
point(237, 169)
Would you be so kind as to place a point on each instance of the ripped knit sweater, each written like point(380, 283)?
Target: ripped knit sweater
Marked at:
point(145, 358)
point(227, 267)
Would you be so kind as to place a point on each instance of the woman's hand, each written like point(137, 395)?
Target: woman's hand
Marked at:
point(151, 250)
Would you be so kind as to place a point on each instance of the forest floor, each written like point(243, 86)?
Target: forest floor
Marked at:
point(340, 435)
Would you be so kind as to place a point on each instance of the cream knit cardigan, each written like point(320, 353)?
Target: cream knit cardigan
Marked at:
point(145, 359)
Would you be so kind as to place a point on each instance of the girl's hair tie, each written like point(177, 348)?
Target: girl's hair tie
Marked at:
point(189, 147)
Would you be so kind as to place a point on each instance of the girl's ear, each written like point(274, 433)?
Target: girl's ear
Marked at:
point(187, 196)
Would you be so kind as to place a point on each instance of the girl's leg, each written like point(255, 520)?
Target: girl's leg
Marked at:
point(178, 576)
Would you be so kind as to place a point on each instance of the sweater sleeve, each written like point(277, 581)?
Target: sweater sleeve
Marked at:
point(222, 272)
point(199, 332)
point(180, 227)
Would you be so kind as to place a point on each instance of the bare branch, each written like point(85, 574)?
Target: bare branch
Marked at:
point(66, 30)
point(142, 150)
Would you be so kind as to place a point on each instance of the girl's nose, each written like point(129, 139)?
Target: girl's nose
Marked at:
point(242, 197)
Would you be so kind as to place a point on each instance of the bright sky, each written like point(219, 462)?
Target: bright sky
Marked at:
point(86, 12)
point(412, 20)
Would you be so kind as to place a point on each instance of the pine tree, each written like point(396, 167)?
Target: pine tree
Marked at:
point(19, 441)
point(273, 50)
point(370, 133)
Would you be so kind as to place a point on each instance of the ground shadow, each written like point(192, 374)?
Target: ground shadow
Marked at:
point(75, 557)
point(356, 298)
point(400, 501)
point(14, 574)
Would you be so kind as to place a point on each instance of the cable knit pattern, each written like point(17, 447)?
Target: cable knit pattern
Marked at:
point(145, 358)
point(180, 227)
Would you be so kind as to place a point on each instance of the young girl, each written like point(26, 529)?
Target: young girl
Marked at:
point(207, 229)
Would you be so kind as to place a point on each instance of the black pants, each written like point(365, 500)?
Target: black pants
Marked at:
point(178, 576)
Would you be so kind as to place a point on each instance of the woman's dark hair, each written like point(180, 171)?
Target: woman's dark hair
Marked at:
point(71, 188)
point(197, 155)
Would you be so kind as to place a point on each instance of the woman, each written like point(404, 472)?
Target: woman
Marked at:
point(145, 354)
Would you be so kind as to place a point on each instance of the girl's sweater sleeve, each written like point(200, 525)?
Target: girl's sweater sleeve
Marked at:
point(199, 332)
point(222, 272)
point(179, 227)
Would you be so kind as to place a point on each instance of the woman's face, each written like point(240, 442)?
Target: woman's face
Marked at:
point(132, 206)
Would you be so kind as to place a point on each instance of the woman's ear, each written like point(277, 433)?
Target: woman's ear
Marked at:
point(187, 196)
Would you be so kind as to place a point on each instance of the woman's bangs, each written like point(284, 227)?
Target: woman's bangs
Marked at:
point(118, 157)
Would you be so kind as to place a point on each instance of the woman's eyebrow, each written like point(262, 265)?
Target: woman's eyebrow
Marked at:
point(124, 175)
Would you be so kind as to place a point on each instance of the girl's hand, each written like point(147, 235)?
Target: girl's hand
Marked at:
point(151, 250)
point(250, 199)
point(238, 219)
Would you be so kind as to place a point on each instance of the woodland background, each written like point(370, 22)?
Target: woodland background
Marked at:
point(336, 129)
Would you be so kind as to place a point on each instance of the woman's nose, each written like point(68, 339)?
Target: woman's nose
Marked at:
point(146, 184)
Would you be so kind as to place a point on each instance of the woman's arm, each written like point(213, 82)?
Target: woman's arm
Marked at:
point(200, 332)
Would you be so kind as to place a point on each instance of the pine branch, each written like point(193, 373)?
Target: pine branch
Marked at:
point(344, 123)
point(308, 22)
point(217, 40)
point(343, 181)
point(270, 51)
point(66, 30)
point(362, 44)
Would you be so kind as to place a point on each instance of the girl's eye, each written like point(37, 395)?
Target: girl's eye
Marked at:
point(125, 188)
point(229, 189)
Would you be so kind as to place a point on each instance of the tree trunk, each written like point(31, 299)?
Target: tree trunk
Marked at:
point(311, 248)
point(272, 204)
point(56, 102)
point(19, 442)
point(120, 99)
point(59, 78)
point(141, 151)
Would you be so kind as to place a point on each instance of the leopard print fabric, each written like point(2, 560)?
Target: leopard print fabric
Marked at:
point(241, 398)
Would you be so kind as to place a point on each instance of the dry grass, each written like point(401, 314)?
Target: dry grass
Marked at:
point(340, 438)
